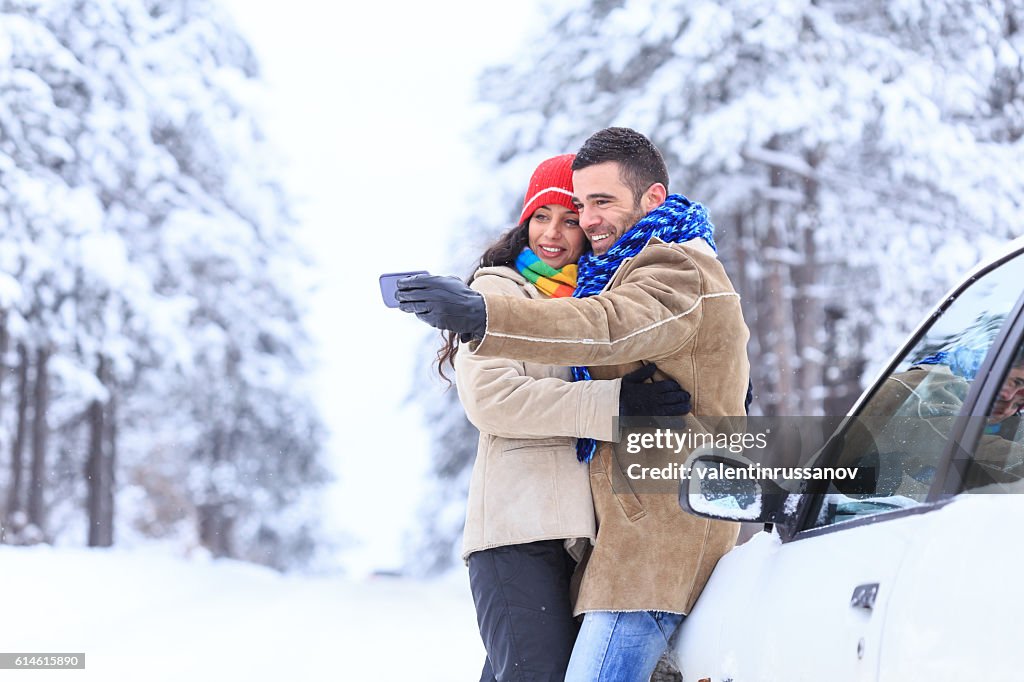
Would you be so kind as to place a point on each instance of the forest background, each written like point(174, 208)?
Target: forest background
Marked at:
point(192, 350)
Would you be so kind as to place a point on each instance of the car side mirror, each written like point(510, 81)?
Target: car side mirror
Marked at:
point(723, 488)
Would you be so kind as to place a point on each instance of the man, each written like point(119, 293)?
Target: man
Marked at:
point(653, 291)
point(1010, 398)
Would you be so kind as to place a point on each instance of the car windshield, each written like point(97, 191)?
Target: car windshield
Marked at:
point(902, 432)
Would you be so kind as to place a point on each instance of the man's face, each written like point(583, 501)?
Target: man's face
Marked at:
point(1011, 395)
point(606, 205)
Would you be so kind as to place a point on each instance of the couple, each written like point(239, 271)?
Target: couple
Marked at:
point(650, 290)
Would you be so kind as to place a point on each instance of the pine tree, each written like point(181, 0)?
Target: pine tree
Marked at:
point(853, 155)
point(147, 270)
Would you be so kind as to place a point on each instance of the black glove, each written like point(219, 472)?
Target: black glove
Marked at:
point(750, 396)
point(443, 302)
point(663, 398)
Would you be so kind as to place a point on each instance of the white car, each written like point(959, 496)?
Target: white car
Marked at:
point(920, 575)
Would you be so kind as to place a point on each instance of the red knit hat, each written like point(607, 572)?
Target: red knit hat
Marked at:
point(551, 184)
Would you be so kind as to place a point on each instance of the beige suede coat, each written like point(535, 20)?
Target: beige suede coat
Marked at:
point(672, 304)
point(527, 484)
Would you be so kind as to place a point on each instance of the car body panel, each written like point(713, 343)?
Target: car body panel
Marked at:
point(776, 612)
point(773, 623)
point(957, 606)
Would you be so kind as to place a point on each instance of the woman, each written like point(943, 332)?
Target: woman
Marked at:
point(530, 512)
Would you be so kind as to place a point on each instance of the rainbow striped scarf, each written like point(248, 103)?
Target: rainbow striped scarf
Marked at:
point(551, 282)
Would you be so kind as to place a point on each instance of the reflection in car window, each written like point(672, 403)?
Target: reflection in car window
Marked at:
point(902, 432)
point(998, 457)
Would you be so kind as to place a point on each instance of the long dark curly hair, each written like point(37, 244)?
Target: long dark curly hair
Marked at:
point(503, 251)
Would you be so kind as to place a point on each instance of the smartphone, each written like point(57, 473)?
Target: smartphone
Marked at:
point(389, 285)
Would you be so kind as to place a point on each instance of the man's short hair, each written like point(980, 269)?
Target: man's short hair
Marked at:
point(640, 162)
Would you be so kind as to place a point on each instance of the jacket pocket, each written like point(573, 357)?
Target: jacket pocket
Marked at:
point(619, 485)
point(512, 445)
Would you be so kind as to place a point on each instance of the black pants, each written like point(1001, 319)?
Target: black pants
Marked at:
point(524, 612)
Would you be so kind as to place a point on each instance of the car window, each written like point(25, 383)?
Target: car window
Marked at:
point(901, 433)
point(997, 460)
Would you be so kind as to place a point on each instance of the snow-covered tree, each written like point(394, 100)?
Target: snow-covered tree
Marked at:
point(435, 544)
point(856, 157)
point(150, 293)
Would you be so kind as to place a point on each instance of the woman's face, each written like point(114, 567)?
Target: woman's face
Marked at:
point(555, 235)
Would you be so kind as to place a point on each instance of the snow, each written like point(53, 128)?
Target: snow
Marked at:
point(148, 614)
point(727, 507)
point(10, 290)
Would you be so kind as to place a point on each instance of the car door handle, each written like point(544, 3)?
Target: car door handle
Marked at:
point(864, 596)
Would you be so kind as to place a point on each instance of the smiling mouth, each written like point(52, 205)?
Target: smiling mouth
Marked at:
point(599, 237)
point(552, 250)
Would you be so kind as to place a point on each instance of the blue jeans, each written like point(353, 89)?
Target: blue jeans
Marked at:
point(620, 646)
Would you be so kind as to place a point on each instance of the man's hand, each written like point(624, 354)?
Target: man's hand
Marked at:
point(664, 398)
point(445, 303)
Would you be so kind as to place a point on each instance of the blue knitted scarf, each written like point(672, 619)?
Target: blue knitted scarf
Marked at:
point(675, 221)
point(963, 362)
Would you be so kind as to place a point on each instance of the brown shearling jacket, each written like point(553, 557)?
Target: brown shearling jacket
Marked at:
point(672, 304)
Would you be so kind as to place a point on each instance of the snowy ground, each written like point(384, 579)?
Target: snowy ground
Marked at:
point(146, 615)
